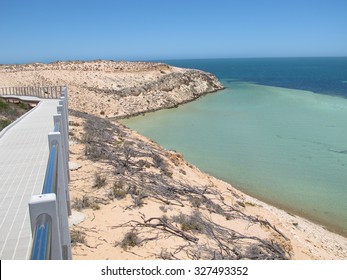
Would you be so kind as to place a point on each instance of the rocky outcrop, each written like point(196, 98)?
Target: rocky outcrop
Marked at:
point(115, 89)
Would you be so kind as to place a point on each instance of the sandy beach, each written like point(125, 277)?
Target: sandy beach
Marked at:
point(132, 199)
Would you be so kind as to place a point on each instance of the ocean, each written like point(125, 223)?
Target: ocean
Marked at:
point(278, 132)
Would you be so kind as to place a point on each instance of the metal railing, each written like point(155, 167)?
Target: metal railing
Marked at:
point(42, 238)
point(49, 210)
point(50, 92)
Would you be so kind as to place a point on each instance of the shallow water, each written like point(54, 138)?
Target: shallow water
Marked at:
point(284, 146)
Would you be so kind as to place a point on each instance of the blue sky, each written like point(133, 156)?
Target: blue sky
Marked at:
point(49, 30)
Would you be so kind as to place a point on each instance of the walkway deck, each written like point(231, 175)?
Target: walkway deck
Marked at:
point(23, 160)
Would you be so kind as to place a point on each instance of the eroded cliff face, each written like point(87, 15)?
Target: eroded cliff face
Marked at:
point(115, 89)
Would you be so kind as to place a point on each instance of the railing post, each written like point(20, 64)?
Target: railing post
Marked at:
point(65, 115)
point(61, 111)
point(62, 196)
point(58, 119)
point(47, 204)
point(64, 94)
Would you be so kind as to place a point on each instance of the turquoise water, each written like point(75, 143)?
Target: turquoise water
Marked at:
point(284, 146)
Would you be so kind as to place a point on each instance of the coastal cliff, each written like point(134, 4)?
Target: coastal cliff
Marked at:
point(115, 89)
point(132, 199)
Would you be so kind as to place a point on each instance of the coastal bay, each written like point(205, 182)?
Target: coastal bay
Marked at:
point(283, 146)
point(145, 183)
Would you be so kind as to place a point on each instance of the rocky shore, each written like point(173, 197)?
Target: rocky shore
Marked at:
point(115, 89)
point(132, 199)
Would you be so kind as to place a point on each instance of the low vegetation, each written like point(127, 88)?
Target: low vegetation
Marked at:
point(85, 202)
point(9, 112)
point(99, 181)
point(130, 240)
point(77, 237)
point(140, 174)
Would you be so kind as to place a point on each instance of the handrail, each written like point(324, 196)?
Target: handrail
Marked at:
point(41, 249)
point(50, 183)
point(45, 92)
point(49, 210)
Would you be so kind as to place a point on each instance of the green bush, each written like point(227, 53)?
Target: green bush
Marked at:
point(99, 181)
point(77, 236)
point(3, 104)
point(130, 240)
point(4, 123)
point(190, 223)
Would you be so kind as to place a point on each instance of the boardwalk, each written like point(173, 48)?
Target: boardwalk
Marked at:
point(23, 159)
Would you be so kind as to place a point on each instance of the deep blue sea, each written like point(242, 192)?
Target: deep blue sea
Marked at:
point(278, 131)
point(320, 75)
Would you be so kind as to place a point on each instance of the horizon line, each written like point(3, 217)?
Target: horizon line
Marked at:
point(171, 59)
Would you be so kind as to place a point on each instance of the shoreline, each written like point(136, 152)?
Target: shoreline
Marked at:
point(309, 240)
point(271, 204)
point(295, 213)
point(287, 210)
point(119, 118)
point(322, 220)
point(137, 170)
